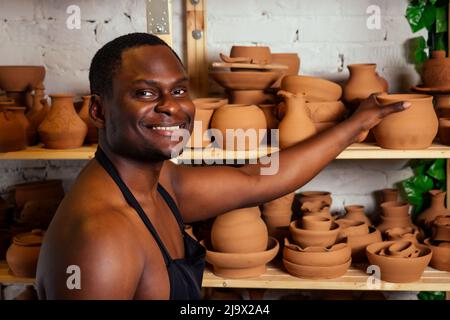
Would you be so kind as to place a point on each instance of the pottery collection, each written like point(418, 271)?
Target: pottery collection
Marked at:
point(394, 214)
point(436, 209)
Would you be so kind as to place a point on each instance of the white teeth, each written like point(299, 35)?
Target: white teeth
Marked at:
point(166, 128)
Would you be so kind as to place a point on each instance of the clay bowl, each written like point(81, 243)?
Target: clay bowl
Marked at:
point(324, 196)
point(317, 256)
point(311, 238)
point(316, 223)
point(245, 80)
point(315, 272)
point(328, 111)
point(241, 265)
point(441, 254)
point(351, 228)
point(441, 228)
point(20, 78)
point(316, 89)
point(291, 60)
point(398, 269)
point(395, 209)
point(250, 97)
point(444, 131)
point(257, 54)
point(358, 243)
point(323, 126)
point(30, 191)
point(402, 249)
point(406, 233)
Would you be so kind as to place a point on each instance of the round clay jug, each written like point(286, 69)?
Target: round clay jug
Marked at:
point(62, 128)
point(296, 124)
point(92, 133)
point(22, 255)
point(38, 111)
point(240, 231)
point(240, 127)
point(413, 128)
point(436, 209)
point(436, 71)
point(12, 131)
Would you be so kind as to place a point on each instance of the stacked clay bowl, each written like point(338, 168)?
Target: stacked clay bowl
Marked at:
point(440, 243)
point(394, 214)
point(240, 244)
point(278, 213)
point(315, 203)
point(358, 235)
point(399, 261)
point(314, 231)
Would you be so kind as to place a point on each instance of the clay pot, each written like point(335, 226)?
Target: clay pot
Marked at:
point(395, 209)
point(296, 125)
point(389, 194)
point(435, 71)
point(39, 212)
point(441, 228)
point(358, 243)
point(92, 133)
point(324, 212)
point(237, 117)
point(406, 233)
point(444, 131)
point(278, 212)
point(12, 131)
point(21, 78)
point(402, 249)
point(204, 109)
point(22, 255)
point(316, 223)
point(317, 256)
point(228, 59)
point(398, 269)
point(38, 110)
point(441, 254)
point(5, 242)
point(389, 223)
point(413, 128)
point(356, 213)
point(328, 111)
point(38, 190)
point(315, 272)
point(351, 228)
point(250, 97)
point(323, 196)
point(362, 83)
point(291, 60)
point(258, 55)
point(242, 265)
point(315, 89)
point(313, 238)
point(30, 131)
point(269, 113)
point(239, 231)
point(245, 80)
point(436, 209)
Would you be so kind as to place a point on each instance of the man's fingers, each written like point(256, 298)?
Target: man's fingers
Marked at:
point(394, 107)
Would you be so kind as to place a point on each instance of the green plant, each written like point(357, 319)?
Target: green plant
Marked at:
point(432, 16)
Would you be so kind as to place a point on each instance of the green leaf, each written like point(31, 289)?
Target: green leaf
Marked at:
point(440, 42)
point(441, 19)
point(437, 170)
point(431, 295)
point(433, 2)
point(414, 16)
point(428, 16)
point(420, 56)
point(421, 42)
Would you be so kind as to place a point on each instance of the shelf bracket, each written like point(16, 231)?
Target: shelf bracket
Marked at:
point(159, 19)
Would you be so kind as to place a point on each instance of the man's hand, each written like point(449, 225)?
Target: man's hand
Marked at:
point(370, 113)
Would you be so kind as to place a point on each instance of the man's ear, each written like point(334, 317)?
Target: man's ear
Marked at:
point(97, 111)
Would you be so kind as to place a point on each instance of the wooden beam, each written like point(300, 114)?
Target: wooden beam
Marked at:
point(196, 53)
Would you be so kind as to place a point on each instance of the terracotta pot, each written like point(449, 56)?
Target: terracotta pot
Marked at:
point(315, 272)
point(444, 131)
point(38, 110)
point(406, 233)
point(21, 78)
point(441, 228)
point(398, 269)
point(245, 80)
point(22, 255)
point(5, 242)
point(328, 111)
point(242, 265)
point(239, 231)
point(324, 196)
point(291, 60)
point(324, 212)
point(413, 128)
point(436, 209)
point(389, 223)
point(435, 71)
point(312, 238)
point(362, 83)
point(316, 223)
point(204, 109)
point(38, 190)
point(278, 212)
point(250, 97)
point(235, 117)
point(441, 255)
point(269, 113)
point(356, 212)
point(389, 194)
point(12, 132)
point(395, 209)
point(315, 89)
point(358, 243)
point(39, 212)
point(30, 131)
point(62, 128)
point(259, 55)
point(351, 228)
point(296, 125)
point(92, 133)
point(228, 59)
point(403, 249)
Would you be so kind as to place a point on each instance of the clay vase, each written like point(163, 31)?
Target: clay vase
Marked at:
point(92, 133)
point(62, 128)
point(30, 130)
point(359, 242)
point(413, 128)
point(238, 127)
point(22, 255)
point(257, 54)
point(291, 60)
point(278, 212)
point(323, 196)
point(296, 124)
point(37, 191)
point(444, 131)
point(435, 71)
point(441, 229)
point(12, 131)
point(204, 109)
point(356, 213)
point(38, 110)
point(239, 231)
point(394, 214)
point(436, 209)
point(441, 254)
point(389, 195)
point(362, 83)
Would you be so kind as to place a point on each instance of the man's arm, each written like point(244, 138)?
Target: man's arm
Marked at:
point(208, 191)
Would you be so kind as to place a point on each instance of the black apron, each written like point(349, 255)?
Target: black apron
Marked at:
point(185, 275)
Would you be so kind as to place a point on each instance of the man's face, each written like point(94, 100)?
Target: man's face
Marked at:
point(149, 105)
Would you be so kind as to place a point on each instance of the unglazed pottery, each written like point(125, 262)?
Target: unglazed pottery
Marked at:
point(21, 78)
point(245, 80)
point(323, 196)
point(389, 194)
point(395, 209)
point(239, 231)
point(398, 269)
point(278, 212)
point(441, 254)
point(313, 238)
point(92, 134)
point(296, 124)
point(257, 54)
point(441, 228)
point(328, 111)
point(316, 223)
point(291, 60)
point(357, 213)
point(242, 265)
point(444, 131)
point(315, 272)
point(39, 213)
point(241, 126)
point(12, 132)
point(22, 255)
point(406, 233)
point(269, 113)
point(351, 228)
point(30, 131)
point(413, 128)
point(436, 71)
point(229, 59)
point(250, 97)
point(62, 128)
point(358, 243)
point(38, 190)
point(436, 209)
point(403, 249)
point(315, 89)
point(38, 110)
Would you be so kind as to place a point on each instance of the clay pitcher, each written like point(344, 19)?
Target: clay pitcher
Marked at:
point(12, 131)
point(437, 208)
point(62, 128)
point(92, 134)
point(38, 110)
point(296, 124)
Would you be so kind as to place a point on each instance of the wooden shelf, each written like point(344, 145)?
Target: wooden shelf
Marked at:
point(6, 277)
point(355, 279)
point(355, 151)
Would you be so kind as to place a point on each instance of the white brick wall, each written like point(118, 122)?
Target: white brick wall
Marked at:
point(321, 31)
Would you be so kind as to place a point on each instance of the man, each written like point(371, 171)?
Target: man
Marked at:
point(119, 226)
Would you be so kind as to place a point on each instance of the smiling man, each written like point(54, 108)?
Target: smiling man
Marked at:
point(121, 225)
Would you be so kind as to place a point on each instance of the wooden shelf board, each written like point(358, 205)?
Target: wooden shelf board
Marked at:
point(40, 153)
point(6, 277)
point(355, 279)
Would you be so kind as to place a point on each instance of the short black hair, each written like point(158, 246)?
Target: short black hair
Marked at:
point(108, 58)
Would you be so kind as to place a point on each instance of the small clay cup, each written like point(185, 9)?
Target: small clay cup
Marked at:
point(316, 223)
point(313, 238)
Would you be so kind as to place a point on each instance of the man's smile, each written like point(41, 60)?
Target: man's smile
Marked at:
point(166, 130)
